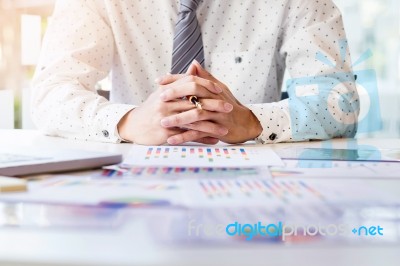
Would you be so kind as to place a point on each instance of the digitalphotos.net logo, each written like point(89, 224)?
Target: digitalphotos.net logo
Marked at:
point(279, 230)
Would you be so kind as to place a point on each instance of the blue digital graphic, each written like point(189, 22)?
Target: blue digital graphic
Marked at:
point(313, 118)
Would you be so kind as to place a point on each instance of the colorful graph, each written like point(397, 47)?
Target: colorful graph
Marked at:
point(133, 202)
point(284, 191)
point(209, 153)
point(112, 183)
point(202, 156)
point(103, 192)
point(122, 171)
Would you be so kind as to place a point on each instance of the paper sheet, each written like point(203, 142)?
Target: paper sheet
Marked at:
point(38, 215)
point(203, 193)
point(140, 172)
point(279, 192)
point(202, 156)
point(99, 192)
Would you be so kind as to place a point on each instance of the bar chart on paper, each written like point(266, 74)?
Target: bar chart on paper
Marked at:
point(249, 191)
point(273, 192)
point(121, 171)
point(202, 156)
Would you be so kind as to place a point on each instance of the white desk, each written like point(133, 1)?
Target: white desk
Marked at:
point(132, 244)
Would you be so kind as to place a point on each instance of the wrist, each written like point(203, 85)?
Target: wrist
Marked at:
point(123, 127)
point(255, 128)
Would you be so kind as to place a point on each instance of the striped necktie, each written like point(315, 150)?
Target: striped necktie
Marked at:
point(188, 44)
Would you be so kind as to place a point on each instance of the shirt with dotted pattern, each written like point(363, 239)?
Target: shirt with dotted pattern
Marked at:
point(247, 45)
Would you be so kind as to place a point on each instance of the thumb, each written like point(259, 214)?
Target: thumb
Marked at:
point(201, 72)
point(192, 70)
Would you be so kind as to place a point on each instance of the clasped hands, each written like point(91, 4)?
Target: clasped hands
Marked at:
point(166, 118)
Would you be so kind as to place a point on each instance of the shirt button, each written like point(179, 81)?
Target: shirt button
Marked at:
point(272, 136)
point(238, 60)
point(105, 133)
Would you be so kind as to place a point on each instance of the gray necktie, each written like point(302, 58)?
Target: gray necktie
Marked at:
point(188, 44)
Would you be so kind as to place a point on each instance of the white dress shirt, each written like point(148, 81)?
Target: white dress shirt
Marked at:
point(247, 45)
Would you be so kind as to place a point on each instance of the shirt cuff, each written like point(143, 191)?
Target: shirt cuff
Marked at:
point(275, 121)
point(107, 119)
point(120, 139)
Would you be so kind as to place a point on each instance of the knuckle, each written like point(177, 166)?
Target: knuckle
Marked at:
point(210, 84)
point(223, 131)
point(194, 87)
point(221, 105)
point(164, 134)
point(222, 117)
point(163, 109)
point(191, 125)
point(176, 120)
point(194, 134)
point(162, 88)
point(171, 92)
point(199, 114)
point(160, 108)
point(178, 139)
point(217, 130)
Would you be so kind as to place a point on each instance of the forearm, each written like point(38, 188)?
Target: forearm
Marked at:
point(288, 121)
point(70, 111)
point(323, 101)
point(77, 53)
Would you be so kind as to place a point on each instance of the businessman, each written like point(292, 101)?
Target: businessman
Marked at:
point(231, 55)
